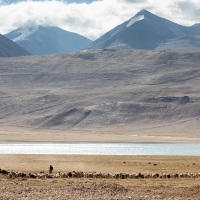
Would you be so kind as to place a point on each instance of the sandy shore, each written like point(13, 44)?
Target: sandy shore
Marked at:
point(90, 163)
point(100, 188)
point(24, 135)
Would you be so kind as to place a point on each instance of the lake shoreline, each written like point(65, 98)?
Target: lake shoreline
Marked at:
point(125, 149)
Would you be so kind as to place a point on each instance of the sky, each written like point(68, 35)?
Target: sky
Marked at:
point(91, 18)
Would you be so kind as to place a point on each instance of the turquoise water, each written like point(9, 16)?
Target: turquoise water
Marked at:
point(103, 149)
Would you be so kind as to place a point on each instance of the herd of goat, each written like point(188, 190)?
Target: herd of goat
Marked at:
point(75, 174)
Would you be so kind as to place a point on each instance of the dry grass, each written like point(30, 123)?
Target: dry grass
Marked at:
point(90, 163)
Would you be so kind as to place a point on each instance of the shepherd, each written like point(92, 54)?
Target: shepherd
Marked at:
point(50, 169)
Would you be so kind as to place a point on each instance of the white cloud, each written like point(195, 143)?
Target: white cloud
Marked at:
point(94, 19)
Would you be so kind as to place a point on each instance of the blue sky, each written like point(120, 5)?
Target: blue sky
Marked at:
point(88, 17)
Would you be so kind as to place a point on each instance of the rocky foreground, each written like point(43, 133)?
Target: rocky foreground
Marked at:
point(95, 189)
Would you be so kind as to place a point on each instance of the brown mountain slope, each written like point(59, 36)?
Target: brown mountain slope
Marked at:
point(124, 91)
point(8, 48)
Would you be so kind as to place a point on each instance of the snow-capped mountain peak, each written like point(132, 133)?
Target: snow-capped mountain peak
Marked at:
point(146, 31)
point(23, 32)
point(142, 12)
point(42, 40)
point(141, 15)
point(135, 19)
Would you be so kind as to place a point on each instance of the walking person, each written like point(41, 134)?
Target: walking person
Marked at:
point(50, 169)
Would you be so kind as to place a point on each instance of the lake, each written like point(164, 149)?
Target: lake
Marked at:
point(103, 149)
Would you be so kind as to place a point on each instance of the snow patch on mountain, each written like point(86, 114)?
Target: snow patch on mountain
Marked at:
point(42, 40)
point(25, 32)
point(135, 19)
point(147, 31)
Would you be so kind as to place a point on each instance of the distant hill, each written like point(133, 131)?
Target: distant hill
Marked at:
point(8, 48)
point(182, 44)
point(41, 40)
point(130, 91)
point(148, 31)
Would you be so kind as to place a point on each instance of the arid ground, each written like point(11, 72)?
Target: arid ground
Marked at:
point(85, 188)
point(117, 134)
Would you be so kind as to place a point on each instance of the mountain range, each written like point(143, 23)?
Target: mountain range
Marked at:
point(148, 31)
point(9, 48)
point(41, 40)
point(143, 31)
